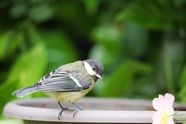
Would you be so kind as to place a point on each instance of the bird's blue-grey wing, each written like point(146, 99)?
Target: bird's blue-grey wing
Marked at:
point(63, 81)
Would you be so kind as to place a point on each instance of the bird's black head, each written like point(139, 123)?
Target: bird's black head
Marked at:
point(94, 68)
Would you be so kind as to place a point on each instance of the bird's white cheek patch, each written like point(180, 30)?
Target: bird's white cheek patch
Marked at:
point(89, 69)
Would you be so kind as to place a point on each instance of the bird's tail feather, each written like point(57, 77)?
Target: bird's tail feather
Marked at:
point(24, 91)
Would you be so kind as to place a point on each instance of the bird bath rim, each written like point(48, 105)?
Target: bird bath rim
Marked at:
point(97, 110)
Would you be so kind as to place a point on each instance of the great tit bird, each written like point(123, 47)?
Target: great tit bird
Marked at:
point(68, 83)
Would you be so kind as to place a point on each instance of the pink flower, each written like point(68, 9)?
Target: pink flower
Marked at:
point(164, 107)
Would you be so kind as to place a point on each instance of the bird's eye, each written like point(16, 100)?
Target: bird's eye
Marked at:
point(94, 69)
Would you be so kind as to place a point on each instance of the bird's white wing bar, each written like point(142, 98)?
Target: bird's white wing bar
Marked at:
point(75, 80)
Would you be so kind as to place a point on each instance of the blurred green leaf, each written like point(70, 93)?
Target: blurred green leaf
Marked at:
point(6, 88)
point(179, 2)
point(73, 16)
point(182, 85)
point(135, 40)
point(4, 4)
point(11, 121)
point(182, 94)
point(91, 6)
point(121, 79)
point(144, 87)
point(31, 32)
point(41, 12)
point(183, 77)
point(9, 42)
point(107, 57)
point(18, 10)
point(26, 70)
point(29, 67)
point(60, 48)
point(173, 51)
point(151, 14)
point(108, 35)
point(3, 44)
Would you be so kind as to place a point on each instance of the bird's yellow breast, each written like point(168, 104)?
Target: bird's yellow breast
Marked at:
point(68, 97)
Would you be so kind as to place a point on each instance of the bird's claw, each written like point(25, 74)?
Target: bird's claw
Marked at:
point(77, 110)
point(60, 113)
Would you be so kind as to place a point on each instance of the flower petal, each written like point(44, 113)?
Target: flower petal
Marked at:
point(156, 118)
point(159, 103)
point(169, 103)
point(170, 98)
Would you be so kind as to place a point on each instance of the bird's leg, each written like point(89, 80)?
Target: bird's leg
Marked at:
point(62, 109)
point(78, 108)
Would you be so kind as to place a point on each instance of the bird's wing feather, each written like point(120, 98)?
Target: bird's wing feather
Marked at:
point(63, 81)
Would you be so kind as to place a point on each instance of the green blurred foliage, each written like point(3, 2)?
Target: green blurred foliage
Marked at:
point(141, 44)
point(127, 70)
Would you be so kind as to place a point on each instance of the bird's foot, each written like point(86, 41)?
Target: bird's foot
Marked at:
point(77, 110)
point(60, 113)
